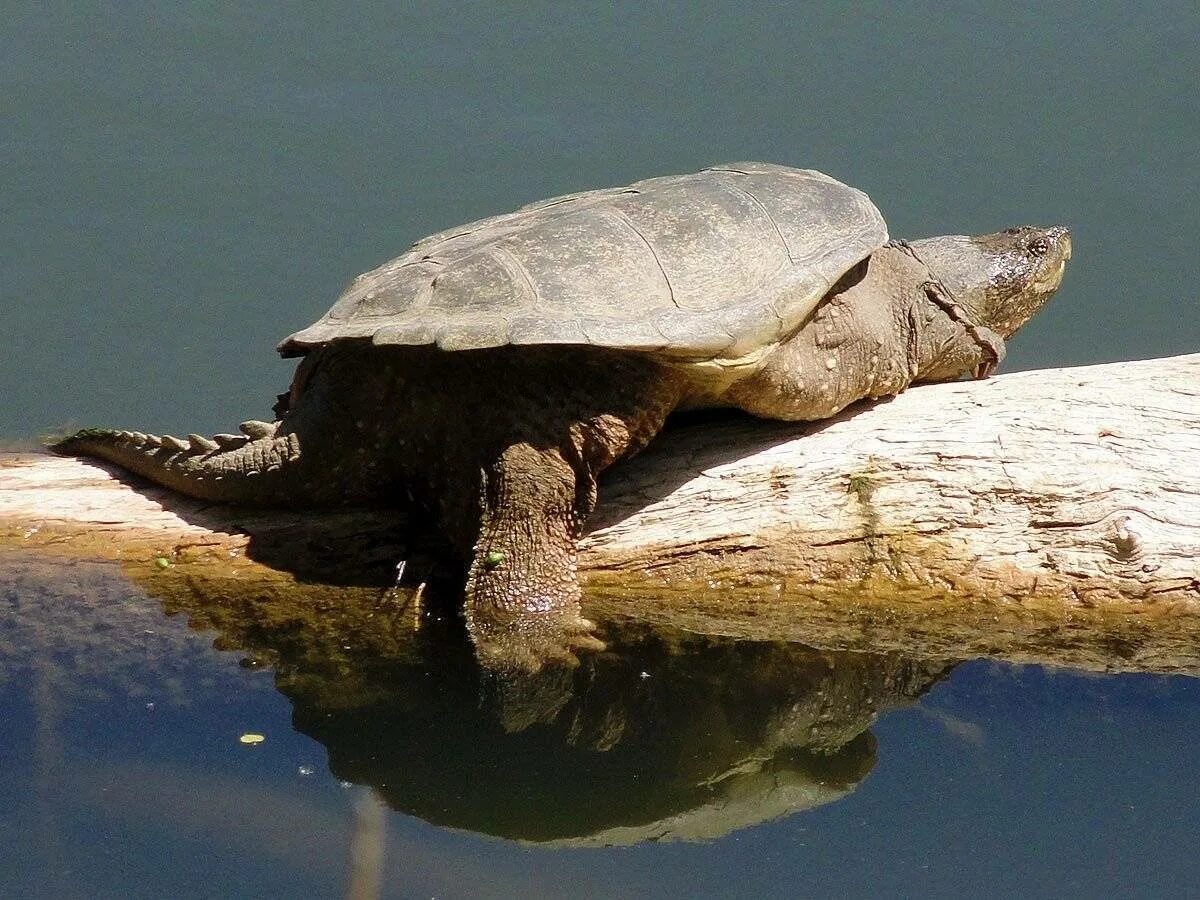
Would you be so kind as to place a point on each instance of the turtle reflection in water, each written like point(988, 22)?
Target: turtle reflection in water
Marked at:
point(493, 371)
point(667, 735)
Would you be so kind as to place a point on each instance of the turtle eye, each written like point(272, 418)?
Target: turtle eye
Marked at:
point(1040, 247)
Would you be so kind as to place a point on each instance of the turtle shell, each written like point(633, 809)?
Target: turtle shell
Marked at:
point(712, 265)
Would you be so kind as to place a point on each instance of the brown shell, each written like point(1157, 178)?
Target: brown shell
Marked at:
point(702, 266)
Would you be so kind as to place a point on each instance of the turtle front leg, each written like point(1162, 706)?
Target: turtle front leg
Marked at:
point(523, 596)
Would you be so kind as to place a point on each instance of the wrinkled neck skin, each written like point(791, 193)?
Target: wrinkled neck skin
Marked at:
point(933, 310)
point(957, 299)
point(1000, 280)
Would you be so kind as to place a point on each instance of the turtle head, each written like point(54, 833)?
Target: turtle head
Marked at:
point(1001, 279)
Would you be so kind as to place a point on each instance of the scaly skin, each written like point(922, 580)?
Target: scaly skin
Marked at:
point(504, 446)
point(244, 471)
point(511, 470)
point(507, 465)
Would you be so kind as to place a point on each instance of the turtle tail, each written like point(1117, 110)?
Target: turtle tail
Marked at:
point(259, 466)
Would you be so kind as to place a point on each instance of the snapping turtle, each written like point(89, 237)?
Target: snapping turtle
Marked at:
point(494, 370)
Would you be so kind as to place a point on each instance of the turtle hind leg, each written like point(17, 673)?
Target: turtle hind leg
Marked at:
point(522, 595)
point(507, 454)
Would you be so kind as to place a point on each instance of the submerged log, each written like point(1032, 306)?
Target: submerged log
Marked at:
point(1048, 512)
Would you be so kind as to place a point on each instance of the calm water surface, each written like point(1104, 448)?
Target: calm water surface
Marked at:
point(182, 185)
point(675, 764)
point(185, 184)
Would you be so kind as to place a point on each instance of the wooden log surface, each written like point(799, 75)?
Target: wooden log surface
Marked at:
point(1049, 515)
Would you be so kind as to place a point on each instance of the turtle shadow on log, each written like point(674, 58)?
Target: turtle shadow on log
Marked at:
point(693, 442)
point(346, 547)
point(356, 547)
point(362, 546)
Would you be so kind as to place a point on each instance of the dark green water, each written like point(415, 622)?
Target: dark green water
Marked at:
point(181, 185)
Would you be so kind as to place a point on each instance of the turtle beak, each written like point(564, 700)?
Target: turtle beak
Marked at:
point(1063, 234)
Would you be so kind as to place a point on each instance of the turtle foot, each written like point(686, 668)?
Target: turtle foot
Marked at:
point(522, 594)
point(530, 641)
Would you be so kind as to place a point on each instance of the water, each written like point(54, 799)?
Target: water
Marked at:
point(183, 185)
point(675, 765)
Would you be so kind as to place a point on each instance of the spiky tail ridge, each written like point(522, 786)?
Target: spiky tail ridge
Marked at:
point(259, 466)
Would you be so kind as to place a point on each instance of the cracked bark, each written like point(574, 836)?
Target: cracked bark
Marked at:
point(1050, 515)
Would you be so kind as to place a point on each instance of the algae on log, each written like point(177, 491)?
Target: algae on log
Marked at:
point(1001, 516)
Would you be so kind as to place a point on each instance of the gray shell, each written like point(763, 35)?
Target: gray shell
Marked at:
point(710, 265)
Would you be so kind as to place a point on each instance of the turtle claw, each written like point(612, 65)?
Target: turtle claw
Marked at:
point(993, 352)
point(530, 670)
point(529, 642)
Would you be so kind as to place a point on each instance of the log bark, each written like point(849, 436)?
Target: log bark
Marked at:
point(961, 518)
